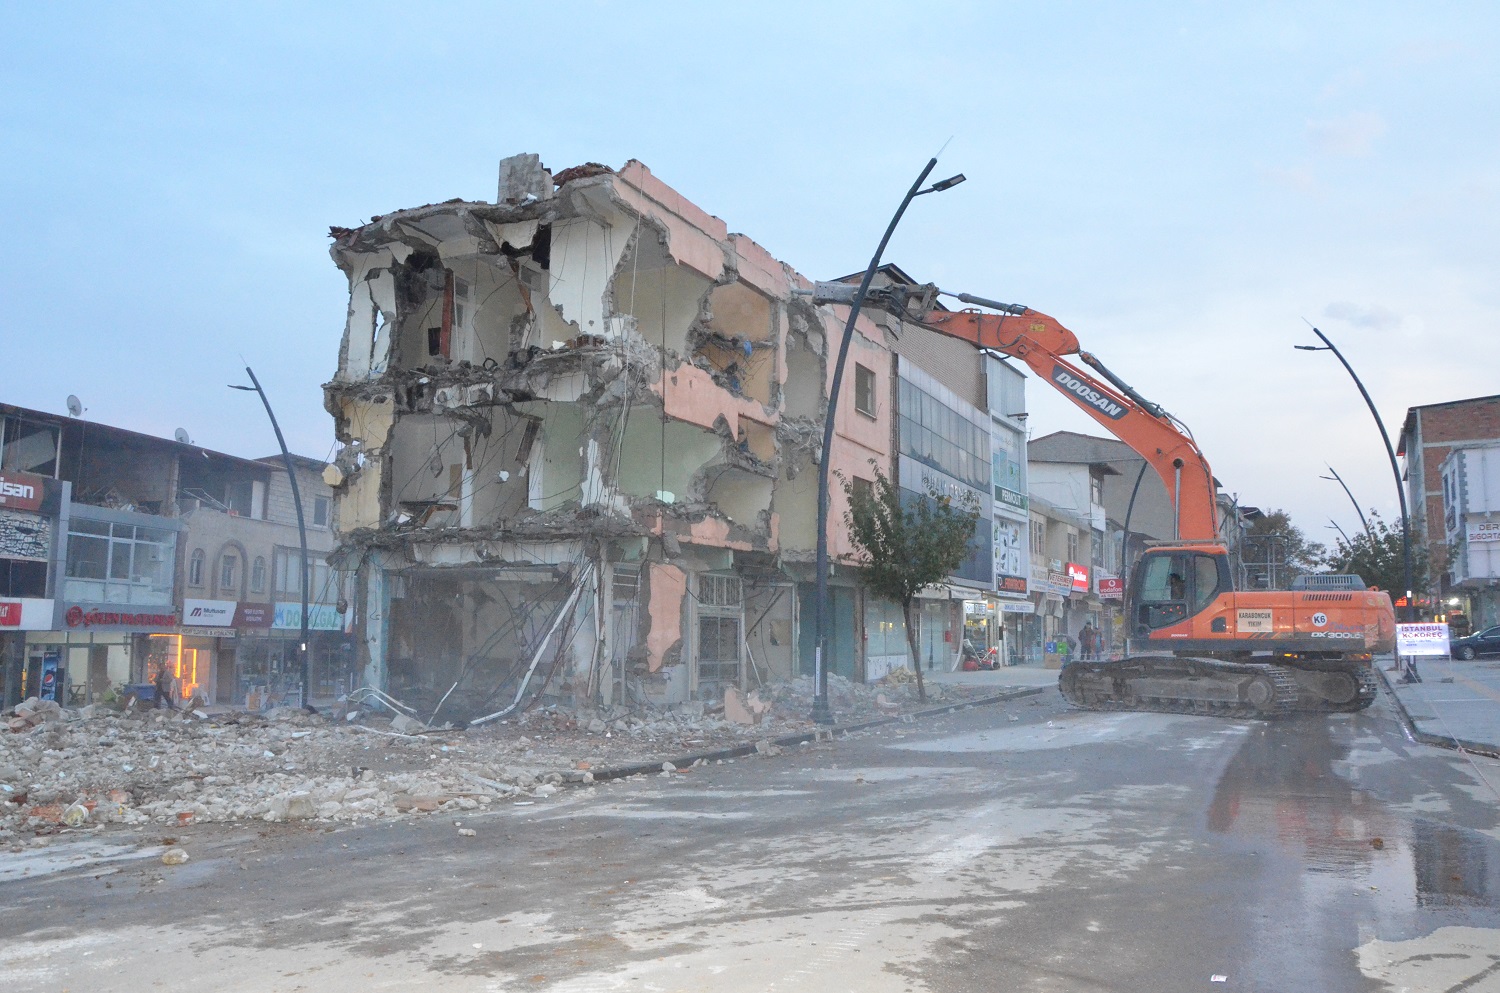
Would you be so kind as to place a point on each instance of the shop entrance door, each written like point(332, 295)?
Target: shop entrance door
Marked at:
point(932, 630)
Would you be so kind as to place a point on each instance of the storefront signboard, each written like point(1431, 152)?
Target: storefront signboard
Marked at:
point(1017, 607)
point(26, 614)
point(1059, 581)
point(1484, 531)
point(21, 490)
point(118, 617)
point(253, 615)
point(1011, 584)
point(1078, 577)
point(1111, 588)
point(208, 613)
point(320, 617)
point(191, 631)
point(1422, 639)
point(1010, 498)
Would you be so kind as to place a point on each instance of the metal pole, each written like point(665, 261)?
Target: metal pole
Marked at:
point(291, 475)
point(821, 713)
point(1411, 607)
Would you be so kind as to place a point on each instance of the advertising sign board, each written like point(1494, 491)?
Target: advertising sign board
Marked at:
point(1422, 640)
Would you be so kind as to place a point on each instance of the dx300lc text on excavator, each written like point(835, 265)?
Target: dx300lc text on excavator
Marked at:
point(1196, 644)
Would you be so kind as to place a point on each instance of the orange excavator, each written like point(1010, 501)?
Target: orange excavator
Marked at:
point(1196, 644)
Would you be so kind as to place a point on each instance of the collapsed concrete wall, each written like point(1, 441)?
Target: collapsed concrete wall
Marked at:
point(586, 395)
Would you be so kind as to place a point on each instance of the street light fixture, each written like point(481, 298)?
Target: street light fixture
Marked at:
point(821, 712)
point(291, 475)
point(1390, 452)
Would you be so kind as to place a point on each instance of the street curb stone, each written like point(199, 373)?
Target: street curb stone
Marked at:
point(1438, 740)
point(682, 762)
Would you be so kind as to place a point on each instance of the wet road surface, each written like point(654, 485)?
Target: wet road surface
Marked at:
point(1024, 846)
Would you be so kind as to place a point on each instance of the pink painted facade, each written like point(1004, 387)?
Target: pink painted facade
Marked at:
point(581, 426)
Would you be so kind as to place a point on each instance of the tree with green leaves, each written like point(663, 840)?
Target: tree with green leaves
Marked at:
point(1374, 555)
point(906, 545)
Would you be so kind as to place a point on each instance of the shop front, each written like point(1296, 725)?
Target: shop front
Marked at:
point(94, 651)
point(981, 626)
point(268, 663)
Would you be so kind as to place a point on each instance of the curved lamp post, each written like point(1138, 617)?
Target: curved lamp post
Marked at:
point(1390, 452)
point(291, 475)
point(821, 713)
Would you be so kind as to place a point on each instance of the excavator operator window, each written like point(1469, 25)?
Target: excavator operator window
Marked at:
point(1205, 582)
point(1163, 597)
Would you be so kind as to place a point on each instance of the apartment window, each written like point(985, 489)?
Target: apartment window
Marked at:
point(119, 563)
point(1038, 539)
point(1096, 490)
point(941, 438)
point(238, 497)
point(195, 568)
point(258, 575)
point(1072, 545)
point(320, 512)
point(287, 577)
point(864, 390)
point(229, 572)
point(862, 489)
point(460, 301)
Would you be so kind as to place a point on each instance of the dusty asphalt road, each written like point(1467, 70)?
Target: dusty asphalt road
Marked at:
point(1024, 846)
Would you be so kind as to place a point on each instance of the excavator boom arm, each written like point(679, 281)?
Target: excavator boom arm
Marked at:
point(1042, 343)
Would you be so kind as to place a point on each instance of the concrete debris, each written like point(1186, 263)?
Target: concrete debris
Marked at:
point(64, 769)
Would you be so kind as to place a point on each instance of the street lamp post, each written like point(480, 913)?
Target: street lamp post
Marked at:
point(1336, 478)
point(291, 475)
point(1390, 452)
point(821, 712)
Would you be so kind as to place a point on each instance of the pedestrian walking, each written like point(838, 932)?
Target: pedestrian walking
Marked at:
point(164, 684)
point(1088, 641)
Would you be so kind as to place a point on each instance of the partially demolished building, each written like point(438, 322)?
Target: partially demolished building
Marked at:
point(580, 428)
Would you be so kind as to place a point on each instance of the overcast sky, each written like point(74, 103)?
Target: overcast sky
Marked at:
point(1183, 184)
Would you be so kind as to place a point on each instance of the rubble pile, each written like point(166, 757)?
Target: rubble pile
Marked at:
point(63, 769)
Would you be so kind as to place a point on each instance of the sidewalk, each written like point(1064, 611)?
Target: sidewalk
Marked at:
point(1457, 704)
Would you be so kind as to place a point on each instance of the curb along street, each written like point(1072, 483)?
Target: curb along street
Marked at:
point(1438, 740)
point(819, 734)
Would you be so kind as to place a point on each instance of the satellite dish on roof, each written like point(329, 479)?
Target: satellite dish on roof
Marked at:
point(182, 436)
point(75, 406)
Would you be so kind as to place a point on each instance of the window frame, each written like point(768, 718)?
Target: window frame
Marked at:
point(865, 387)
point(229, 571)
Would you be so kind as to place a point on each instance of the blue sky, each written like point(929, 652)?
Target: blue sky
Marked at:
point(1181, 183)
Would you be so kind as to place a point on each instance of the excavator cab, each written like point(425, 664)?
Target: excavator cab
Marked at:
point(1174, 583)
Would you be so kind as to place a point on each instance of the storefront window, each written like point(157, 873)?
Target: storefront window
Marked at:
point(885, 629)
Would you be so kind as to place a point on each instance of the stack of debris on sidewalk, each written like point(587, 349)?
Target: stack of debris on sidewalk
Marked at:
point(76, 769)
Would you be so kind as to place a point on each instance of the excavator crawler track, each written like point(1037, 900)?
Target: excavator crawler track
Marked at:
point(1177, 685)
point(1336, 690)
